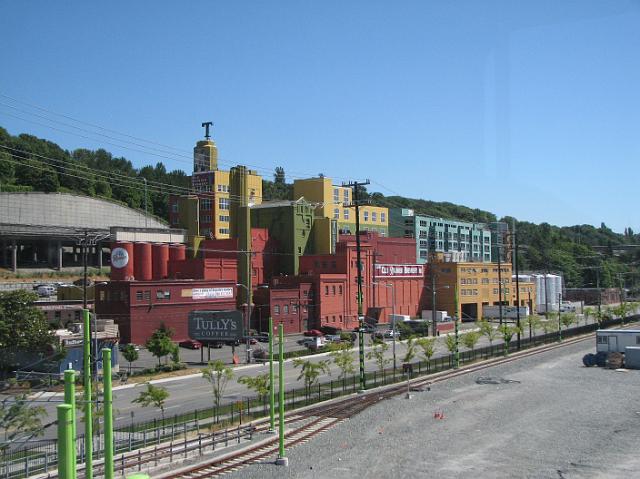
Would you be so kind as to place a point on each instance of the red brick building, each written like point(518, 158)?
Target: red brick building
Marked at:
point(140, 307)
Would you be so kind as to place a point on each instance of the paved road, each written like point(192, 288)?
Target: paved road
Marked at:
point(542, 417)
point(191, 393)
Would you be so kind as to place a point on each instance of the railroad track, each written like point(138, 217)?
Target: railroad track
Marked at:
point(319, 418)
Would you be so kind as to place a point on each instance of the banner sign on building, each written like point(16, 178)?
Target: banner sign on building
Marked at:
point(216, 325)
point(399, 270)
point(211, 293)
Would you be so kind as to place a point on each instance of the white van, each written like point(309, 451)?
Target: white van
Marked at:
point(46, 290)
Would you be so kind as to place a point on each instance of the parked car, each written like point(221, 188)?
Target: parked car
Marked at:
point(190, 344)
point(45, 290)
point(313, 332)
point(389, 334)
point(333, 338)
point(216, 344)
point(261, 338)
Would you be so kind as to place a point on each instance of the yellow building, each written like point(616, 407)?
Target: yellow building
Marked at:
point(334, 201)
point(477, 283)
point(211, 185)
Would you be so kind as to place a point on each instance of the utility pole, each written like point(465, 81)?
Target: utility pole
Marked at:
point(145, 202)
point(433, 301)
point(356, 203)
point(515, 265)
point(499, 244)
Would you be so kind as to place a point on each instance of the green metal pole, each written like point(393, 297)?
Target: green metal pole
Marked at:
point(70, 399)
point(457, 352)
point(282, 460)
point(108, 414)
point(272, 393)
point(88, 413)
point(66, 468)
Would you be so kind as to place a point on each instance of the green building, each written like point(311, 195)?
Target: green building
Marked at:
point(291, 226)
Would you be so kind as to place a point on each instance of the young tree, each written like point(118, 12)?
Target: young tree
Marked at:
point(470, 339)
point(130, 354)
point(175, 355)
point(487, 329)
point(377, 353)
point(159, 344)
point(259, 384)
point(342, 356)
point(20, 420)
point(411, 350)
point(428, 346)
point(451, 343)
point(533, 322)
point(567, 319)
point(153, 396)
point(218, 375)
point(507, 333)
point(587, 313)
point(310, 372)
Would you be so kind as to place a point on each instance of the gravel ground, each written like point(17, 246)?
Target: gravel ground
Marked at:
point(556, 419)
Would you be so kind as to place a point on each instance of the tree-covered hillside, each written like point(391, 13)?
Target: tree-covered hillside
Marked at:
point(578, 252)
point(28, 163)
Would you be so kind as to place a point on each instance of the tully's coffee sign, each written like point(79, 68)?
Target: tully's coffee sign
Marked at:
point(215, 325)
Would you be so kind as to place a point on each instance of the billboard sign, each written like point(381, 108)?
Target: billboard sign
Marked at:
point(211, 293)
point(399, 270)
point(216, 325)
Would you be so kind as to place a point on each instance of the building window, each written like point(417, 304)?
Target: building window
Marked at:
point(223, 218)
point(333, 290)
point(294, 308)
point(340, 289)
point(495, 290)
point(285, 309)
point(383, 218)
point(423, 254)
point(223, 231)
point(374, 217)
point(346, 195)
point(223, 203)
point(336, 195)
point(346, 214)
point(205, 204)
point(174, 207)
point(326, 290)
point(276, 309)
point(336, 214)
point(366, 215)
point(423, 244)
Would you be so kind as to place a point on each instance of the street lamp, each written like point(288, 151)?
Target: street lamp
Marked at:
point(393, 317)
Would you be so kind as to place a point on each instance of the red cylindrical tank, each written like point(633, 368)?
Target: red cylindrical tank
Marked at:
point(143, 266)
point(121, 261)
point(160, 261)
point(177, 252)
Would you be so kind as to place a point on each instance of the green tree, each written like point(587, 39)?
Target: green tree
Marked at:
point(428, 346)
point(487, 329)
point(507, 333)
point(549, 324)
point(567, 319)
point(159, 344)
point(588, 313)
point(377, 353)
point(470, 339)
point(153, 396)
point(23, 328)
point(310, 372)
point(20, 420)
point(218, 375)
point(410, 352)
point(279, 176)
point(342, 356)
point(259, 384)
point(451, 343)
point(532, 322)
point(130, 354)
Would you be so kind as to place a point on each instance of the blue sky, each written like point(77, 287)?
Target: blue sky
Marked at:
point(530, 109)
